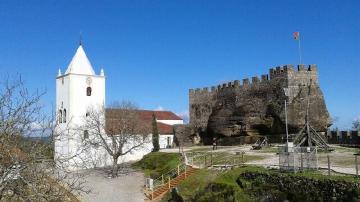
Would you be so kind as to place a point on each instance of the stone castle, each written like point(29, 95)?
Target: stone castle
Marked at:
point(257, 107)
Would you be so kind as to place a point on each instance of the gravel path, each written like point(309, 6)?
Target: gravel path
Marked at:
point(125, 188)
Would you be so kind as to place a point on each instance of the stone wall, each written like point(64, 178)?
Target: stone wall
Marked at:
point(299, 188)
point(256, 106)
point(344, 137)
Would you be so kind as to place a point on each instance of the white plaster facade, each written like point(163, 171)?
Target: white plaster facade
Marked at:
point(171, 122)
point(166, 140)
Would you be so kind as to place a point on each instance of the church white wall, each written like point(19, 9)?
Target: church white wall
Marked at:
point(90, 156)
point(163, 141)
point(80, 103)
point(171, 122)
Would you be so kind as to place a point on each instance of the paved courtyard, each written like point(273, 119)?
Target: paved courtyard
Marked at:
point(125, 188)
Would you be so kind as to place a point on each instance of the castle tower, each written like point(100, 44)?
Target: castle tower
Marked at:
point(77, 90)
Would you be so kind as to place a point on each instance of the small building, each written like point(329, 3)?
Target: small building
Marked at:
point(165, 121)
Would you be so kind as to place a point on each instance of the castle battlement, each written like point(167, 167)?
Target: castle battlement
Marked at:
point(252, 104)
point(286, 69)
point(301, 75)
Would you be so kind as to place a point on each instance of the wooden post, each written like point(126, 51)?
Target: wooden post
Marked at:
point(356, 165)
point(169, 182)
point(185, 171)
point(328, 159)
point(288, 162)
point(162, 179)
point(205, 160)
point(178, 170)
point(242, 157)
point(302, 162)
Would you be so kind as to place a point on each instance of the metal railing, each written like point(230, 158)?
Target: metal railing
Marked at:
point(211, 159)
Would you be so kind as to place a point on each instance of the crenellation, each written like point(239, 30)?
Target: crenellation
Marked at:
point(301, 68)
point(224, 85)
point(264, 77)
point(289, 68)
point(236, 83)
point(255, 80)
point(246, 82)
point(312, 68)
point(213, 88)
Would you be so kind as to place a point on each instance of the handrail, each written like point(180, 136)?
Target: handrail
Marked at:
point(200, 160)
point(169, 175)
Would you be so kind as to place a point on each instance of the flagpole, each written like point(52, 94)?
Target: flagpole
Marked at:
point(299, 47)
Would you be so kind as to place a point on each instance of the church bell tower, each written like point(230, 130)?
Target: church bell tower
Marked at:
point(77, 90)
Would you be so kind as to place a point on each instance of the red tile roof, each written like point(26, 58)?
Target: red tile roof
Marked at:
point(160, 115)
point(146, 117)
point(165, 128)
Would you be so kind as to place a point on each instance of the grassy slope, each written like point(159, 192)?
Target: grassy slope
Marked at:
point(156, 163)
point(196, 187)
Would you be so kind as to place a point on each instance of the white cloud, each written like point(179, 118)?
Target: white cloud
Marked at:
point(159, 108)
point(184, 115)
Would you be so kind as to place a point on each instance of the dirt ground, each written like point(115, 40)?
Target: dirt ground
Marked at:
point(342, 160)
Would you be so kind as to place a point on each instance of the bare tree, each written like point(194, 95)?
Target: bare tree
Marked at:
point(118, 130)
point(183, 134)
point(27, 169)
point(356, 124)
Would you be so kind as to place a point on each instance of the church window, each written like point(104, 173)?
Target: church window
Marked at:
point(60, 116)
point(88, 91)
point(62, 80)
point(64, 116)
point(86, 134)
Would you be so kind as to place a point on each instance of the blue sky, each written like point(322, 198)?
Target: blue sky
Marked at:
point(154, 51)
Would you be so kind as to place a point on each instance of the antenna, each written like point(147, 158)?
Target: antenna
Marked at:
point(80, 38)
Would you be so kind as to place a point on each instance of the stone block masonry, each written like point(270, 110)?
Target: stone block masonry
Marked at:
point(256, 106)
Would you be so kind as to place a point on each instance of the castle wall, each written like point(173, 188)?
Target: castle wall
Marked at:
point(351, 138)
point(256, 105)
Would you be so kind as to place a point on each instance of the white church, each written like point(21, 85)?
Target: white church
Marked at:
point(79, 89)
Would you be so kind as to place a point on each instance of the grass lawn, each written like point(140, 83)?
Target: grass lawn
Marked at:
point(268, 150)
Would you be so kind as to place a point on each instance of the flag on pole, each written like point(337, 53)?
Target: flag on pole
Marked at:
point(296, 35)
